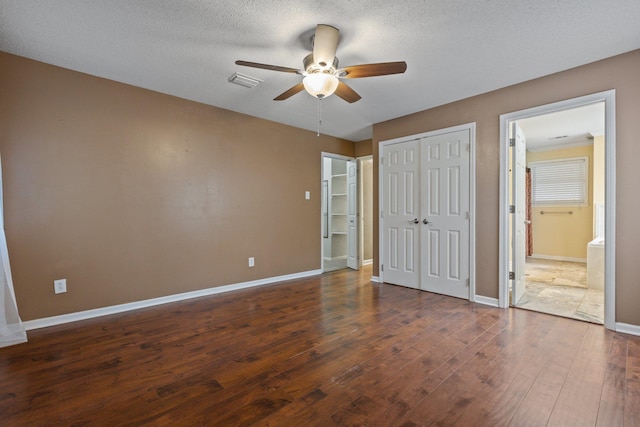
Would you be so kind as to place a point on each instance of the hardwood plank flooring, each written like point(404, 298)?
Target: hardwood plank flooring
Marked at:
point(329, 350)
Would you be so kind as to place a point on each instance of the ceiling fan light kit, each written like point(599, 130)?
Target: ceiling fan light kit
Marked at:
point(321, 72)
point(320, 85)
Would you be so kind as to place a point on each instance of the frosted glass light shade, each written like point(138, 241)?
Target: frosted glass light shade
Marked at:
point(320, 85)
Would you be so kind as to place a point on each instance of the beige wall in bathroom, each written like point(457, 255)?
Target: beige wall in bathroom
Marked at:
point(598, 170)
point(563, 236)
point(598, 176)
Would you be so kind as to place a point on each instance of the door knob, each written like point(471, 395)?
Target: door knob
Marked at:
point(414, 221)
point(424, 221)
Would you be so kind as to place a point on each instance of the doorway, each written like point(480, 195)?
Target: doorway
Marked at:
point(365, 166)
point(564, 227)
point(340, 223)
point(556, 179)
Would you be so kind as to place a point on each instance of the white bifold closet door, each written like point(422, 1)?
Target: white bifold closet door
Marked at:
point(425, 210)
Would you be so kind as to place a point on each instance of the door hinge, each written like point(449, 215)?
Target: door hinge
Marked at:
point(512, 142)
point(467, 215)
point(381, 267)
point(512, 275)
point(468, 147)
point(468, 283)
point(512, 208)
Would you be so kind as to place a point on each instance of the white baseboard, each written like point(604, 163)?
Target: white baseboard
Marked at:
point(557, 258)
point(493, 302)
point(375, 279)
point(367, 262)
point(626, 328)
point(120, 308)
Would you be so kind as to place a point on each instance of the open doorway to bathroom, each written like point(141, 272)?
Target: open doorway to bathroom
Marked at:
point(564, 212)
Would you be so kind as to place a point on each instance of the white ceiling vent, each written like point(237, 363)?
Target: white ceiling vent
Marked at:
point(244, 80)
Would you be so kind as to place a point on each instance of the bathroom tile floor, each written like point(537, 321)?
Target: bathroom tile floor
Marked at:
point(560, 288)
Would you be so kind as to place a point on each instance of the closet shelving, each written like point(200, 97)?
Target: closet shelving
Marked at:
point(338, 209)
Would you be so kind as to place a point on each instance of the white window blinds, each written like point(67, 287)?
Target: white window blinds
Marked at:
point(560, 182)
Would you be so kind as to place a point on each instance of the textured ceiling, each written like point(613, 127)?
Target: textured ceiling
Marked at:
point(562, 129)
point(454, 49)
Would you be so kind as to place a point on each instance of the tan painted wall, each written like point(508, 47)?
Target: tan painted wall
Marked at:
point(130, 194)
point(562, 235)
point(364, 148)
point(619, 73)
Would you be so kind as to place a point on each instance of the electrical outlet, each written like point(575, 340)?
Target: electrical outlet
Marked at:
point(307, 195)
point(251, 262)
point(60, 286)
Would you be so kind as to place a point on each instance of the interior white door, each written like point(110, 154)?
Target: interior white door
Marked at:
point(400, 211)
point(445, 213)
point(518, 218)
point(352, 215)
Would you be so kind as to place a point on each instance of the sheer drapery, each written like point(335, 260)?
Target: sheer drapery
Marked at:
point(11, 328)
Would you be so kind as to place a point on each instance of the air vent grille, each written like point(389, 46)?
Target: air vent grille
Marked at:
point(244, 80)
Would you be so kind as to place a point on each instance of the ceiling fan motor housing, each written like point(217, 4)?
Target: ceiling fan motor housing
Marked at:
point(325, 43)
point(311, 67)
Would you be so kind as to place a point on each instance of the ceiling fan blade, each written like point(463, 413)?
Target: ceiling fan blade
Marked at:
point(346, 93)
point(290, 92)
point(268, 67)
point(371, 70)
point(325, 43)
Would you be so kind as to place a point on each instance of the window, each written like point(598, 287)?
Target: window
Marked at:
point(560, 182)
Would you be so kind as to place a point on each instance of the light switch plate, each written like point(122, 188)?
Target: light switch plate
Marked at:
point(60, 286)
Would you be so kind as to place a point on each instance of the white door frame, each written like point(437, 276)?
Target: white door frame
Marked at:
point(472, 196)
point(518, 200)
point(324, 154)
point(608, 97)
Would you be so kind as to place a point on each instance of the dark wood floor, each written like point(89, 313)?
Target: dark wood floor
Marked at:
point(329, 350)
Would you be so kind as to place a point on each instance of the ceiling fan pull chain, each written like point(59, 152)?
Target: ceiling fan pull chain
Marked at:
point(319, 116)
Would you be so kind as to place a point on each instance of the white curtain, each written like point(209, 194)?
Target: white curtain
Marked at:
point(11, 328)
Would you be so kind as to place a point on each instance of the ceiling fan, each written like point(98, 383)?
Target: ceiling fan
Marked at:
point(321, 72)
